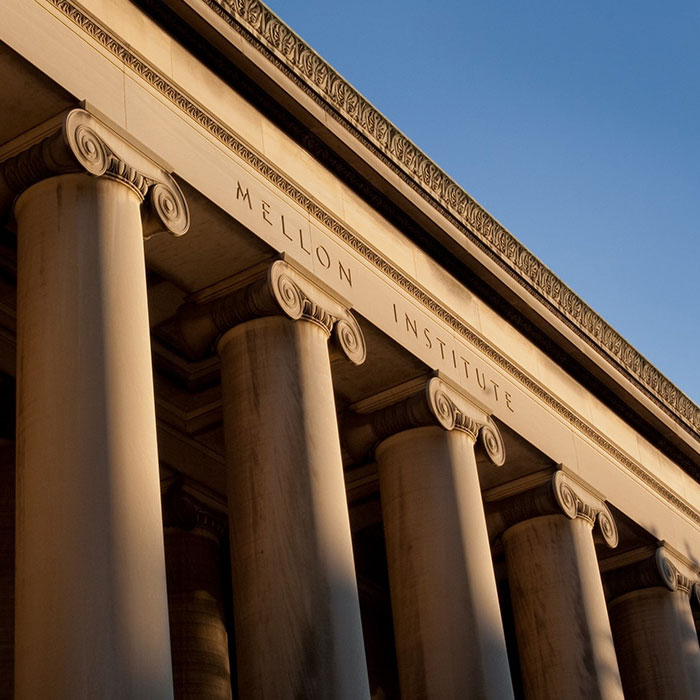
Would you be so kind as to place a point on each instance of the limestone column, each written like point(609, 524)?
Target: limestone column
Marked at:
point(296, 608)
point(653, 627)
point(447, 623)
point(198, 635)
point(564, 639)
point(91, 616)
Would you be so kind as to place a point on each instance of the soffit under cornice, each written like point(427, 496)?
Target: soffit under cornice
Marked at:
point(275, 43)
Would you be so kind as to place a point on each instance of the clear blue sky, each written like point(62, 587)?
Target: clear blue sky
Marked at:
point(576, 124)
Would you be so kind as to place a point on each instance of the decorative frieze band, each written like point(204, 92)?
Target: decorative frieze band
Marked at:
point(438, 404)
point(83, 143)
point(661, 567)
point(560, 494)
point(279, 289)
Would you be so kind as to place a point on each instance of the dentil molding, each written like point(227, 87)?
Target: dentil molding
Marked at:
point(438, 403)
point(83, 143)
point(279, 289)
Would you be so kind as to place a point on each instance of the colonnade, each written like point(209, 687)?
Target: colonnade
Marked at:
point(90, 555)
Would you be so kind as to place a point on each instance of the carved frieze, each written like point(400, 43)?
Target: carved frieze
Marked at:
point(561, 494)
point(280, 289)
point(83, 143)
point(439, 403)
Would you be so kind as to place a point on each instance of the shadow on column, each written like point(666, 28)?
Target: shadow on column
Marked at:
point(7, 535)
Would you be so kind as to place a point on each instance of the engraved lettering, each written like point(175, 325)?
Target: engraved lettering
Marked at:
point(428, 342)
point(454, 359)
point(483, 376)
point(323, 257)
point(301, 242)
point(265, 211)
point(411, 325)
point(284, 230)
point(508, 400)
point(442, 347)
point(396, 317)
point(466, 367)
point(244, 195)
point(345, 272)
point(495, 389)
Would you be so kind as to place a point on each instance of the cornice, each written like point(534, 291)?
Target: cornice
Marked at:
point(278, 289)
point(438, 403)
point(269, 35)
point(83, 143)
point(132, 60)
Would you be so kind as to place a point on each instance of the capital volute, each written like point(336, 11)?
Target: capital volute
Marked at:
point(561, 494)
point(439, 403)
point(674, 572)
point(83, 143)
point(653, 567)
point(277, 288)
point(576, 501)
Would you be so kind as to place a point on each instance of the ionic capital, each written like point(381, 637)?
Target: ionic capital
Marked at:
point(182, 510)
point(674, 572)
point(278, 289)
point(653, 568)
point(563, 494)
point(83, 143)
point(440, 404)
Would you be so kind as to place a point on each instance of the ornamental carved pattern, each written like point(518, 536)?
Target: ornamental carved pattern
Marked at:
point(675, 575)
point(657, 566)
point(560, 495)
point(83, 143)
point(439, 404)
point(657, 386)
point(279, 290)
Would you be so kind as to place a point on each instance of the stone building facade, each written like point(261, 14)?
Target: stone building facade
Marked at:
point(295, 416)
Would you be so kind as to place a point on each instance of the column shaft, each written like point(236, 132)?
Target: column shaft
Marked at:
point(657, 646)
point(296, 609)
point(197, 628)
point(564, 638)
point(91, 607)
point(448, 629)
